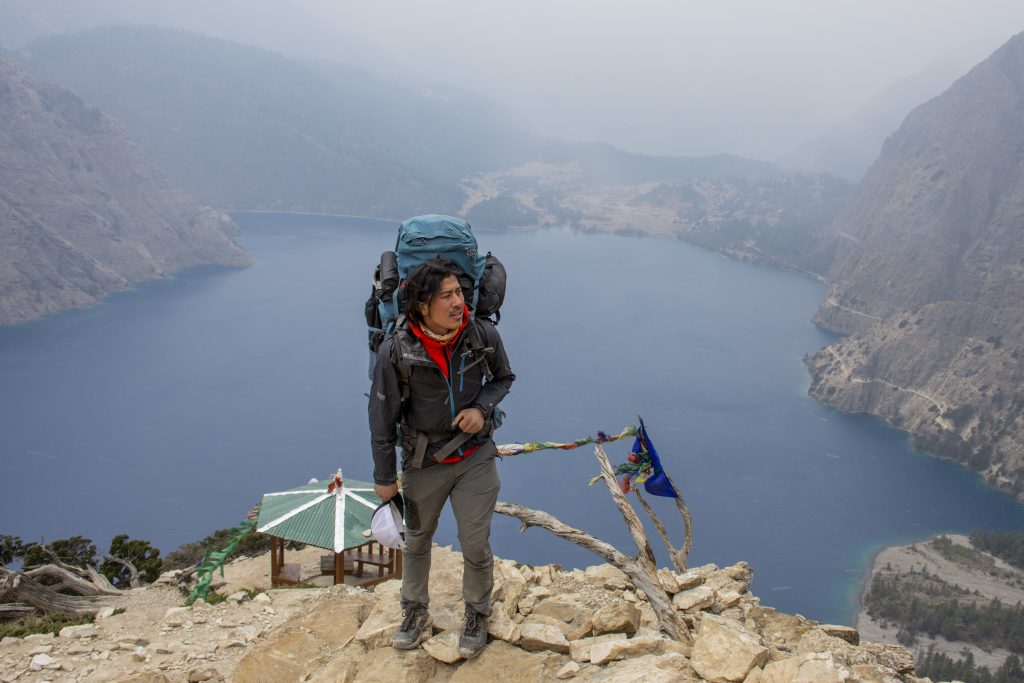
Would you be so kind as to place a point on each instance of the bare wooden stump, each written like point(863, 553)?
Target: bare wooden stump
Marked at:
point(19, 587)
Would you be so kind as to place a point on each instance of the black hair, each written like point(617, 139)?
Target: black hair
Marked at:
point(423, 283)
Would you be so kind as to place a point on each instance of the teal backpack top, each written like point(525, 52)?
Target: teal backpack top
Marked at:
point(421, 239)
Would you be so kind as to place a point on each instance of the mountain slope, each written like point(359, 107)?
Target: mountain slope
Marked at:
point(928, 278)
point(83, 212)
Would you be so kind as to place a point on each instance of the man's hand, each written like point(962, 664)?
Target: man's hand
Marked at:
point(385, 491)
point(470, 420)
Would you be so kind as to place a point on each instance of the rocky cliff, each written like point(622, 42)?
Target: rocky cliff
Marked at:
point(546, 624)
point(83, 212)
point(928, 278)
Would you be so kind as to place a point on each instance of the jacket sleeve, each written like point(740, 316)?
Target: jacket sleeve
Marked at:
point(498, 387)
point(385, 411)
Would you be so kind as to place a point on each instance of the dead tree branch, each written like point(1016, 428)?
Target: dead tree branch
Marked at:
point(133, 573)
point(20, 587)
point(638, 572)
point(684, 511)
point(679, 563)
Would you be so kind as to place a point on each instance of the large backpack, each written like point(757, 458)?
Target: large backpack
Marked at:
point(421, 239)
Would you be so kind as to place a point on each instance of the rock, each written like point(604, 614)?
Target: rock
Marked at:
point(176, 612)
point(381, 625)
point(10, 640)
point(569, 670)
point(693, 599)
point(668, 581)
point(239, 597)
point(230, 644)
point(608, 576)
point(139, 654)
point(570, 631)
point(41, 650)
point(561, 607)
point(500, 626)
point(337, 617)
point(725, 651)
point(199, 675)
point(34, 637)
point(814, 667)
point(263, 599)
point(383, 665)
point(695, 577)
point(613, 650)
point(198, 605)
point(726, 598)
point(669, 668)
point(43, 661)
point(288, 657)
point(579, 650)
point(104, 613)
point(535, 637)
point(848, 634)
point(444, 647)
point(502, 662)
point(616, 617)
point(143, 677)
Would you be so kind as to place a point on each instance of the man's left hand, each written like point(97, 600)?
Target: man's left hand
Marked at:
point(470, 420)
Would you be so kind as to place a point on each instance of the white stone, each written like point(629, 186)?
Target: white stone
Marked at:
point(105, 613)
point(33, 637)
point(608, 576)
point(81, 631)
point(139, 654)
point(668, 581)
point(238, 597)
point(263, 598)
point(813, 667)
point(43, 661)
point(725, 651)
point(568, 671)
point(10, 640)
point(618, 616)
point(41, 650)
point(727, 598)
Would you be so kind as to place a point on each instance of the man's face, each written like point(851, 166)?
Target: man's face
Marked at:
point(445, 310)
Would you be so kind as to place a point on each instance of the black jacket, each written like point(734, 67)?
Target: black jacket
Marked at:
point(433, 401)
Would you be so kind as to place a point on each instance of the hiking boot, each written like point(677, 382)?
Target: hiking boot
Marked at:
point(474, 634)
point(417, 626)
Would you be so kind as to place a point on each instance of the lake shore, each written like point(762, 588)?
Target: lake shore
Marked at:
point(921, 555)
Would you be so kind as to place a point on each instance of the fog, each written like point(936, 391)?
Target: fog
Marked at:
point(655, 76)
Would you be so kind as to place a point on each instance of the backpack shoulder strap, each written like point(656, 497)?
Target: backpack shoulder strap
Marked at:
point(396, 358)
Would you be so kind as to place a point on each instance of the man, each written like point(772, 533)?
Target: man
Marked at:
point(440, 377)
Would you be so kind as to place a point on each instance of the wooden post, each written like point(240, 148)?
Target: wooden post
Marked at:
point(274, 569)
point(339, 568)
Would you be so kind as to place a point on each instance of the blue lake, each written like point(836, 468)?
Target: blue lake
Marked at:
point(168, 411)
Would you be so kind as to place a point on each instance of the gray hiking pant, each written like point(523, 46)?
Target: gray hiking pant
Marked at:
point(472, 485)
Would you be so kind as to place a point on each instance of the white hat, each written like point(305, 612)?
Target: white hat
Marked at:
point(387, 525)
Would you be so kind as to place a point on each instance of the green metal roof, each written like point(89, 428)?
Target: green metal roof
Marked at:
point(310, 514)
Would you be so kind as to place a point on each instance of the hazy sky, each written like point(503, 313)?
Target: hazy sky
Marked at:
point(743, 76)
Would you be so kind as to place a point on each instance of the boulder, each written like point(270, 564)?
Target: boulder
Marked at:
point(143, 677)
point(444, 647)
point(891, 657)
point(536, 637)
point(725, 651)
point(618, 616)
point(82, 631)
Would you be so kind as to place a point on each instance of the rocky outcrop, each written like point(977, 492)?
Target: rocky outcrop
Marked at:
point(928, 278)
point(556, 618)
point(83, 212)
